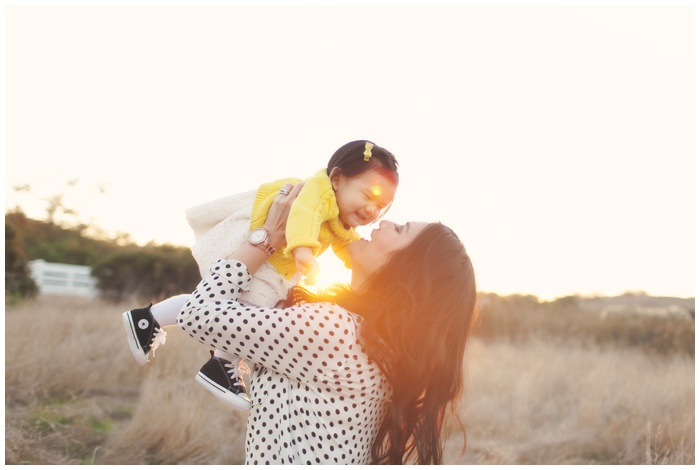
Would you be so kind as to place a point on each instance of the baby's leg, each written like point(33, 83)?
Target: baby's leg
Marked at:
point(222, 375)
point(224, 355)
point(165, 312)
point(144, 326)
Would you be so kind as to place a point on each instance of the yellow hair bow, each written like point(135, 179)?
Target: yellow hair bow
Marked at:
point(368, 150)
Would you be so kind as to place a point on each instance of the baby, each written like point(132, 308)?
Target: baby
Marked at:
point(356, 188)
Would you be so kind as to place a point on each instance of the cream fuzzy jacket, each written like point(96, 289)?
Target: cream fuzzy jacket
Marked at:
point(220, 228)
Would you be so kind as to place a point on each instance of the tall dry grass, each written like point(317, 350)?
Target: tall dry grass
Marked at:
point(544, 402)
point(64, 357)
point(74, 394)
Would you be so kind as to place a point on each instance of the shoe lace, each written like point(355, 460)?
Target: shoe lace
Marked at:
point(158, 339)
point(237, 370)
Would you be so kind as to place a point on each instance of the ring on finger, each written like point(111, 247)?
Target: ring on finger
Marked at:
point(284, 191)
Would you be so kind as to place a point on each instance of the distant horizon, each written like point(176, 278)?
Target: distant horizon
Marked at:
point(591, 295)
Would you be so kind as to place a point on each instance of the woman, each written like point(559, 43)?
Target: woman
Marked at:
point(358, 375)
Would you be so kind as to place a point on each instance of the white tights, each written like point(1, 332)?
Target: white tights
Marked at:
point(165, 313)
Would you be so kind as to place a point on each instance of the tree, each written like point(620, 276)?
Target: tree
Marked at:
point(123, 270)
point(57, 244)
point(18, 281)
point(149, 273)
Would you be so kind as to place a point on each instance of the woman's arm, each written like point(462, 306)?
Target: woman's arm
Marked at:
point(301, 342)
point(306, 342)
point(275, 224)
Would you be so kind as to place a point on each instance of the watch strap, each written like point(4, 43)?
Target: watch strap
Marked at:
point(265, 244)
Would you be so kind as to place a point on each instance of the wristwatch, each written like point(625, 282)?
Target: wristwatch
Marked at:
point(261, 238)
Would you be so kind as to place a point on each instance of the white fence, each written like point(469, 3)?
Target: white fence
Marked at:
point(63, 279)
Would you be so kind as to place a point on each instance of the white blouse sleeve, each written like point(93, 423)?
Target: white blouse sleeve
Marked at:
point(302, 342)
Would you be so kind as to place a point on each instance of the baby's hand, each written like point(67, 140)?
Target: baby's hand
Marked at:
point(306, 263)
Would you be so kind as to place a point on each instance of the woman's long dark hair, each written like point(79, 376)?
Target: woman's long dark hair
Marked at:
point(417, 311)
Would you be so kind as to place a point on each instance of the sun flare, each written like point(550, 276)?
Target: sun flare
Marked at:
point(332, 272)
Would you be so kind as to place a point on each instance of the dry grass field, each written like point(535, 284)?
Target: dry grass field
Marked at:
point(74, 395)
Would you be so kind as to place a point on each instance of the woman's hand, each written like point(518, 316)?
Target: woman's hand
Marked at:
point(254, 257)
point(276, 221)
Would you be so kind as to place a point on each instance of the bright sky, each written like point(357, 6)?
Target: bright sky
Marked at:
point(557, 140)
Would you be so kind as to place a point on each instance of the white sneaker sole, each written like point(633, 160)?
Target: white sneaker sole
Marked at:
point(222, 393)
point(130, 328)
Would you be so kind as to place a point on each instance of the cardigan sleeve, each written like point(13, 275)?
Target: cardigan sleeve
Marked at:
point(314, 205)
point(302, 342)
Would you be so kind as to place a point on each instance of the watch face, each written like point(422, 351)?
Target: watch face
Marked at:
point(257, 236)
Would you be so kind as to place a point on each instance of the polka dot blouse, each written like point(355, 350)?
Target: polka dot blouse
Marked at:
point(317, 398)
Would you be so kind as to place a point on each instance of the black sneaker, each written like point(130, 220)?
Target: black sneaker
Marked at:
point(143, 332)
point(221, 378)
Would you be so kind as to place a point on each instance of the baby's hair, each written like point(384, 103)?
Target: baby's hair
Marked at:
point(350, 158)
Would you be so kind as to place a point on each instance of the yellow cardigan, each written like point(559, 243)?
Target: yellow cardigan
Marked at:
point(313, 221)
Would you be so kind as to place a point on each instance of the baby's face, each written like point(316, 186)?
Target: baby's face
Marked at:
point(362, 199)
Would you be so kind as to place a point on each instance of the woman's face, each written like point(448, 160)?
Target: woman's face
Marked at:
point(367, 256)
point(362, 199)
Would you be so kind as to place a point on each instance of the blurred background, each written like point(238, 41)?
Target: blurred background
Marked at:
point(558, 142)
